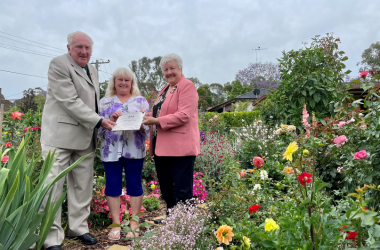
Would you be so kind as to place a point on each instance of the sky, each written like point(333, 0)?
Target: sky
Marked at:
point(215, 38)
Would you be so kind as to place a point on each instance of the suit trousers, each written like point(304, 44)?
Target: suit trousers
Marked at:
point(175, 176)
point(79, 191)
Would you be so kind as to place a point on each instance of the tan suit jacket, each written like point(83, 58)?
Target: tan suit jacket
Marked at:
point(69, 116)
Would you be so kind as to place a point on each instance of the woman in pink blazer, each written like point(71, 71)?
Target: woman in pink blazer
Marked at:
point(174, 137)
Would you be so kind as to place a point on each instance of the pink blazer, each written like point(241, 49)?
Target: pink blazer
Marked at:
point(178, 133)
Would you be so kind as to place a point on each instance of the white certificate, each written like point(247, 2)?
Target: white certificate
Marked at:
point(129, 121)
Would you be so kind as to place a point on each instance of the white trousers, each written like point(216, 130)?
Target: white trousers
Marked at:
point(79, 193)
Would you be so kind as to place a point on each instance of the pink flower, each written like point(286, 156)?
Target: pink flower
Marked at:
point(258, 162)
point(305, 115)
point(5, 159)
point(340, 140)
point(361, 155)
point(16, 115)
point(242, 173)
point(341, 124)
point(363, 74)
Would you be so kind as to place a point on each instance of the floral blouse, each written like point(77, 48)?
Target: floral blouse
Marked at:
point(127, 144)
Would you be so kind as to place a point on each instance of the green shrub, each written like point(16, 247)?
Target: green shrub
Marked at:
point(151, 203)
point(21, 223)
point(232, 119)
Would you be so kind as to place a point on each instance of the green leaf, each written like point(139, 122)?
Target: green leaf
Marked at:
point(267, 243)
point(317, 97)
point(114, 225)
point(148, 234)
point(303, 92)
point(318, 185)
point(234, 183)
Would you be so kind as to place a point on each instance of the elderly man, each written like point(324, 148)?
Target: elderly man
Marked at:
point(69, 124)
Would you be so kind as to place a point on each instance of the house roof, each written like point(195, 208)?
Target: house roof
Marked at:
point(260, 99)
point(248, 95)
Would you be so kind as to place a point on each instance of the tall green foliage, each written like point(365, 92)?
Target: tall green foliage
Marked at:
point(238, 89)
point(312, 75)
point(21, 223)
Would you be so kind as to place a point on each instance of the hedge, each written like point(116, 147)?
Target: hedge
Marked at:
point(234, 119)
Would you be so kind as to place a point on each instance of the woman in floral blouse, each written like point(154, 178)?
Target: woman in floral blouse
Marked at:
point(122, 149)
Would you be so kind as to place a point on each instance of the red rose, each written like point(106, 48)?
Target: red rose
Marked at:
point(305, 177)
point(253, 208)
point(8, 144)
point(27, 129)
point(351, 235)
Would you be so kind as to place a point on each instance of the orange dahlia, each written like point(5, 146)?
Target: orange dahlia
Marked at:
point(224, 234)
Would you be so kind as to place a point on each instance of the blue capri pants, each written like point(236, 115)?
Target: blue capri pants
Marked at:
point(114, 176)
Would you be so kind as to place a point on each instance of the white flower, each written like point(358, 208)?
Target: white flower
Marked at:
point(220, 248)
point(361, 115)
point(263, 174)
point(270, 116)
point(242, 120)
point(257, 187)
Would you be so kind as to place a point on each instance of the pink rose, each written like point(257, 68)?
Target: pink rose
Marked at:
point(361, 155)
point(363, 74)
point(5, 159)
point(340, 140)
point(341, 124)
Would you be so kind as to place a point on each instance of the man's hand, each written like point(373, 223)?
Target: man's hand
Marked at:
point(107, 124)
point(115, 115)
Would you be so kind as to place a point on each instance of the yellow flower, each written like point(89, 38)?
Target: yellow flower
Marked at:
point(278, 184)
point(305, 152)
point(224, 234)
point(291, 127)
point(17, 133)
point(284, 126)
point(247, 242)
point(290, 150)
point(271, 225)
point(5, 132)
point(152, 186)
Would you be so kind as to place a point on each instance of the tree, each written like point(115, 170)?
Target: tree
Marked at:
point(371, 59)
point(260, 75)
point(148, 74)
point(196, 81)
point(312, 75)
point(205, 96)
point(28, 101)
point(238, 89)
point(217, 93)
point(240, 106)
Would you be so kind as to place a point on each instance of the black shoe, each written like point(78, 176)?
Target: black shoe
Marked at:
point(87, 239)
point(53, 248)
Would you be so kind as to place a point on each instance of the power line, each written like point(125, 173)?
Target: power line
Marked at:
point(105, 72)
point(27, 51)
point(32, 41)
point(27, 43)
point(4, 44)
point(22, 74)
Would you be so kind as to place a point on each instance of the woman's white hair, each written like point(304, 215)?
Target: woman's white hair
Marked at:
point(71, 35)
point(122, 72)
point(171, 57)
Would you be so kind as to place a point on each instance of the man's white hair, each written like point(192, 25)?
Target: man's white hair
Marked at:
point(171, 57)
point(71, 35)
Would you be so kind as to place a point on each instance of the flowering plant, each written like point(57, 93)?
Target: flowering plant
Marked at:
point(199, 189)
